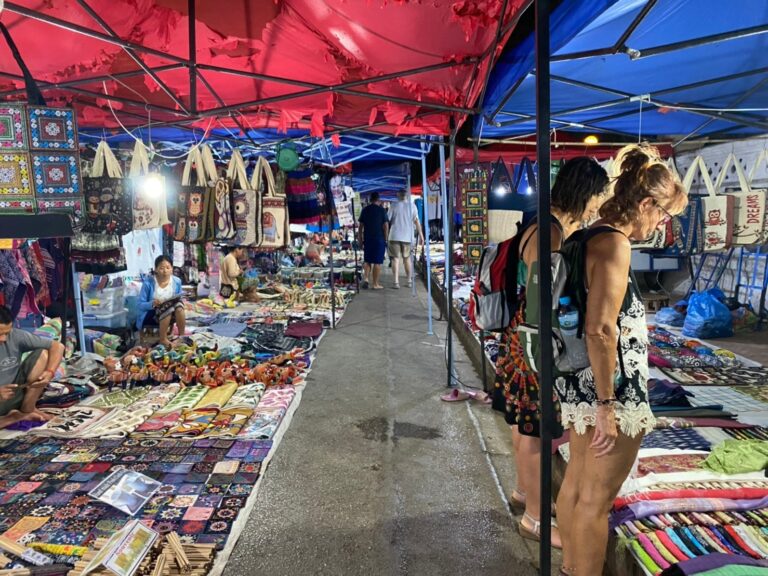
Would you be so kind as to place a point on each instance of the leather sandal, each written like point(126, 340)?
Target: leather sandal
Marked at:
point(533, 533)
point(516, 502)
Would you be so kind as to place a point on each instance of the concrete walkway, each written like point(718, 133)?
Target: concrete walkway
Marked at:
point(377, 476)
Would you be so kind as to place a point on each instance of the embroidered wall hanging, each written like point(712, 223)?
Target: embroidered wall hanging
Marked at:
point(52, 129)
point(57, 184)
point(15, 186)
point(13, 128)
point(473, 186)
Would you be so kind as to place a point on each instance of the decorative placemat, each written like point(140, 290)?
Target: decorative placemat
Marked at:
point(52, 129)
point(720, 376)
point(473, 186)
point(15, 186)
point(13, 128)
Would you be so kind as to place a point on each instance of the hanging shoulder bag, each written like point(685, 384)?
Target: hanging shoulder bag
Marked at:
point(274, 211)
point(716, 210)
point(109, 206)
point(246, 208)
point(748, 205)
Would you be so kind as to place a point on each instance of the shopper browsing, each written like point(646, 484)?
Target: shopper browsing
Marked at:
point(576, 196)
point(372, 235)
point(230, 272)
point(403, 225)
point(23, 379)
point(160, 300)
point(606, 404)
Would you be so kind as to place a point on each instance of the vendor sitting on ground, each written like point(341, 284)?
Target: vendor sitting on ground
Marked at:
point(22, 382)
point(160, 300)
point(313, 251)
point(231, 272)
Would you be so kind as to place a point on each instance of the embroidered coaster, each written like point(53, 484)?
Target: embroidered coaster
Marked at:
point(182, 468)
point(218, 527)
point(233, 502)
point(242, 478)
point(13, 128)
point(196, 478)
point(221, 479)
point(52, 129)
point(57, 184)
point(239, 489)
point(218, 539)
point(209, 501)
point(15, 183)
point(174, 478)
point(226, 513)
point(193, 527)
point(190, 489)
point(197, 513)
point(183, 501)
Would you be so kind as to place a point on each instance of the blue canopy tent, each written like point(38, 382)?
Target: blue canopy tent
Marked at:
point(648, 68)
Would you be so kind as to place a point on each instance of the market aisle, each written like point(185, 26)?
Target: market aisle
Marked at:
point(375, 475)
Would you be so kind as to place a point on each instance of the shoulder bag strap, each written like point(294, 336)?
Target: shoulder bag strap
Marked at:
point(236, 171)
point(194, 158)
point(139, 160)
point(743, 182)
point(698, 165)
point(263, 170)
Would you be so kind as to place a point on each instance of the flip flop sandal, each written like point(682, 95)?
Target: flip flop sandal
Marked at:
point(481, 397)
point(516, 502)
point(455, 395)
point(533, 533)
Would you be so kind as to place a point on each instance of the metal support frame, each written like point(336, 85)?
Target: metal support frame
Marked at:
point(412, 257)
point(354, 240)
point(78, 308)
point(192, 17)
point(449, 252)
point(427, 256)
point(545, 274)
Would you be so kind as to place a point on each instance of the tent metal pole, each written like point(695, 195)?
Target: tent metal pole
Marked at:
point(78, 308)
point(703, 41)
point(449, 254)
point(192, 17)
point(545, 274)
point(444, 201)
point(428, 258)
point(354, 237)
point(66, 245)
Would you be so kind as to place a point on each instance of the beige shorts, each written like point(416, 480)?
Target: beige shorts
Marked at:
point(399, 249)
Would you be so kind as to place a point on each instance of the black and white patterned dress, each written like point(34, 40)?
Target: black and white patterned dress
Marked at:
point(577, 391)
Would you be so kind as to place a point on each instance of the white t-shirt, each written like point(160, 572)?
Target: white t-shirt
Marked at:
point(163, 294)
point(401, 217)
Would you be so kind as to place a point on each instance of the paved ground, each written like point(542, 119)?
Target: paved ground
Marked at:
point(377, 476)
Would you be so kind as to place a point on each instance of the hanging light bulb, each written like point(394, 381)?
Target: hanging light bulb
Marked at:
point(591, 139)
point(501, 190)
point(152, 185)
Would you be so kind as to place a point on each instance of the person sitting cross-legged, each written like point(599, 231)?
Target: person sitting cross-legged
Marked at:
point(24, 378)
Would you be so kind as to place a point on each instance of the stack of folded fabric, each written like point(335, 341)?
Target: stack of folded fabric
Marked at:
point(269, 413)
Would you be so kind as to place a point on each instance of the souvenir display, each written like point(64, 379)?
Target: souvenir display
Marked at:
point(274, 208)
point(473, 185)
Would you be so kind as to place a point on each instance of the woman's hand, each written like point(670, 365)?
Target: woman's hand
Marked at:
point(156, 303)
point(606, 432)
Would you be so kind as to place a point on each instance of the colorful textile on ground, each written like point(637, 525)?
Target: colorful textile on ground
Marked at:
point(670, 438)
point(718, 376)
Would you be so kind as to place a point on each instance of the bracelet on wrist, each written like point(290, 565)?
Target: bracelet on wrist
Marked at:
point(607, 402)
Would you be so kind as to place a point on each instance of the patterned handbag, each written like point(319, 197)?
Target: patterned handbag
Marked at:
point(223, 208)
point(149, 202)
point(762, 159)
point(109, 205)
point(194, 213)
point(274, 210)
point(246, 208)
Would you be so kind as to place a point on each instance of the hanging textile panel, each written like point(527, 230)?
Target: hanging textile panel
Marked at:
point(57, 184)
point(473, 180)
point(301, 194)
point(15, 186)
point(52, 129)
point(13, 128)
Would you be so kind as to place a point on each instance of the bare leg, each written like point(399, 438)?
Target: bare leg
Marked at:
point(163, 326)
point(568, 496)
point(600, 482)
point(377, 276)
point(367, 272)
point(33, 393)
point(11, 418)
point(181, 321)
point(407, 265)
point(396, 270)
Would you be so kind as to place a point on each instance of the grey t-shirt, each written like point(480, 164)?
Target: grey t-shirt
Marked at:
point(11, 350)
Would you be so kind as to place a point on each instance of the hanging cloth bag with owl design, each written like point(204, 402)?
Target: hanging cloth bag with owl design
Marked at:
point(716, 210)
point(149, 204)
point(194, 213)
point(223, 211)
point(109, 205)
point(274, 210)
point(244, 200)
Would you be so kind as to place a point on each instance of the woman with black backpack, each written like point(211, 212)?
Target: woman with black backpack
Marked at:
point(606, 404)
point(579, 188)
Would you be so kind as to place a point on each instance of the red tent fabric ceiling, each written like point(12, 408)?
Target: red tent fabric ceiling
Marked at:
point(315, 42)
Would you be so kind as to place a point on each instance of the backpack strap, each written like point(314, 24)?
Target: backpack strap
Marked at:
point(532, 223)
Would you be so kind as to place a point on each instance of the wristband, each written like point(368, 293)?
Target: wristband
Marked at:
point(607, 402)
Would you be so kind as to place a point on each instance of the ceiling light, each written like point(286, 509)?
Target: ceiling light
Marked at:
point(591, 139)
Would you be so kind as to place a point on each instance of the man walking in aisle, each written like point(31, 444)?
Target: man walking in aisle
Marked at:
point(404, 223)
point(373, 232)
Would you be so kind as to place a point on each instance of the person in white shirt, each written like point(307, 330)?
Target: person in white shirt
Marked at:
point(403, 224)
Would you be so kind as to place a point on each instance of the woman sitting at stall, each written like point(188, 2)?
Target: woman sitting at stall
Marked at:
point(231, 272)
point(160, 300)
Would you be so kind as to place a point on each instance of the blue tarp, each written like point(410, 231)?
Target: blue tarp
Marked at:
point(385, 178)
point(603, 93)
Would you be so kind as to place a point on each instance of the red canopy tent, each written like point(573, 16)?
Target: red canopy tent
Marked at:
point(394, 66)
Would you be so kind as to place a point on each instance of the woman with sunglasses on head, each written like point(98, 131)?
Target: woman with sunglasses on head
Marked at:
point(576, 195)
point(606, 404)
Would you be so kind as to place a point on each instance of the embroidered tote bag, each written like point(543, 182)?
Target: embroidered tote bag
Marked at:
point(246, 208)
point(149, 202)
point(274, 211)
point(194, 213)
point(223, 210)
point(762, 159)
point(109, 205)
point(748, 206)
point(716, 210)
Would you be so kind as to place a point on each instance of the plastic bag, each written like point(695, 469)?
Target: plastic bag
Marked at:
point(670, 317)
point(707, 317)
